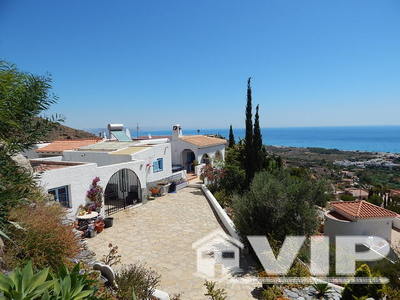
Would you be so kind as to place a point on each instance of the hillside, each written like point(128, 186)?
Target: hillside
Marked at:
point(62, 132)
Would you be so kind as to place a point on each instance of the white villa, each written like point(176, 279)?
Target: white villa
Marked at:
point(127, 167)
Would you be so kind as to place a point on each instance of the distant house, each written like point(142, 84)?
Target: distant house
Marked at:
point(359, 194)
point(358, 218)
point(394, 193)
point(188, 149)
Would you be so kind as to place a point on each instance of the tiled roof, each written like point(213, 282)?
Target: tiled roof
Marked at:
point(361, 210)
point(62, 145)
point(203, 140)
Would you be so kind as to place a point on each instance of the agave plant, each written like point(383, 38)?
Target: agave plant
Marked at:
point(23, 284)
point(321, 289)
point(70, 285)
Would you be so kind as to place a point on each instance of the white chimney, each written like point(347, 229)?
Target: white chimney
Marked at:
point(176, 131)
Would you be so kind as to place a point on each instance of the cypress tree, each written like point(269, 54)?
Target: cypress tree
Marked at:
point(231, 137)
point(257, 142)
point(249, 151)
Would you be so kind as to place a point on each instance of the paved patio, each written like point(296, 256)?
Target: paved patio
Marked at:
point(160, 233)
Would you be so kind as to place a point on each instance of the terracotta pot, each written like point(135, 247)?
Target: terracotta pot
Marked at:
point(99, 226)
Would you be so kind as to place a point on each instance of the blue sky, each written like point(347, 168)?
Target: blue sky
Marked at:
point(313, 63)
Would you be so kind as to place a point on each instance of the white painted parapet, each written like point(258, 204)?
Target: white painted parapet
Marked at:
point(396, 223)
point(223, 216)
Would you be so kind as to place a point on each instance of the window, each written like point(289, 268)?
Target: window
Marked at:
point(61, 195)
point(228, 254)
point(158, 165)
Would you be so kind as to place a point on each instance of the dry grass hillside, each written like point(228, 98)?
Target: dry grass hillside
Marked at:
point(62, 132)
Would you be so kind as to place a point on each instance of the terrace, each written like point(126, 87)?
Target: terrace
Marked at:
point(161, 234)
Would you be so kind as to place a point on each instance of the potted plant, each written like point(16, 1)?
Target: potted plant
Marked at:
point(99, 225)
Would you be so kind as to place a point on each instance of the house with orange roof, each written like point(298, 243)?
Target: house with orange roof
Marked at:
point(189, 150)
point(358, 218)
point(57, 147)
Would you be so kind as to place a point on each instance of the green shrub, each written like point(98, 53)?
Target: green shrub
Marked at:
point(375, 199)
point(277, 205)
point(223, 198)
point(272, 293)
point(213, 293)
point(321, 289)
point(391, 293)
point(299, 270)
point(361, 290)
point(136, 278)
point(347, 197)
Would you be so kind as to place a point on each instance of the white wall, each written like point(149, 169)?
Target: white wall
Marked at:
point(98, 157)
point(149, 155)
point(206, 264)
point(381, 227)
point(396, 223)
point(31, 153)
point(77, 178)
point(210, 151)
point(221, 213)
point(179, 145)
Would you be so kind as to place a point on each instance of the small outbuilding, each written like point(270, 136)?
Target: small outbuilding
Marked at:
point(358, 218)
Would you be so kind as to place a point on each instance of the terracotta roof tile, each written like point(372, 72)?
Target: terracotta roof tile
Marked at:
point(62, 145)
point(361, 210)
point(203, 140)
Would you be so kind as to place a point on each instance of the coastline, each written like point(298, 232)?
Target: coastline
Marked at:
point(371, 139)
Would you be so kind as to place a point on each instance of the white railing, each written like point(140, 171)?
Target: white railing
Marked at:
point(223, 216)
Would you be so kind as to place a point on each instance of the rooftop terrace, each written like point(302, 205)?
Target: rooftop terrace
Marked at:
point(44, 165)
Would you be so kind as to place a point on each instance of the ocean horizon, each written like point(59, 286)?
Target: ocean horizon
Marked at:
point(354, 138)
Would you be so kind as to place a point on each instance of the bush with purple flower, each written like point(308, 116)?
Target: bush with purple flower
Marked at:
point(95, 193)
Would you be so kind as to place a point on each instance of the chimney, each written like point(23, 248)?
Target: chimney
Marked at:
point(176, 131)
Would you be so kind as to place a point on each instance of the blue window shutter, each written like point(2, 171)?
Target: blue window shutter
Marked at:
point(160, 164)
point(155, 166)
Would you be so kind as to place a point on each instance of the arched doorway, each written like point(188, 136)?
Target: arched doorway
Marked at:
point(205, 159)
point(188, 158)
point(122, 191)
point(218, 156)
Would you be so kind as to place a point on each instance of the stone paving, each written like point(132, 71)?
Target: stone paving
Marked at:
point(160, 233)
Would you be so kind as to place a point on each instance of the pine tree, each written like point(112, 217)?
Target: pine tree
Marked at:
point(257, 142)
point(249, 152)
point(231, 137)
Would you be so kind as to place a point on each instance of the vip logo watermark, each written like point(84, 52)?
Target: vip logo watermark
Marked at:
point(218, 257)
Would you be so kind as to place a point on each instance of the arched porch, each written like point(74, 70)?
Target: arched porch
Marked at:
point(123, 190)
point(188, 158)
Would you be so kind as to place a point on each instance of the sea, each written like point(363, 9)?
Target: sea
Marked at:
point(361, 138)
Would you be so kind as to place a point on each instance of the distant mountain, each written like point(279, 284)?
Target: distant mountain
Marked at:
point(62, 132)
